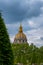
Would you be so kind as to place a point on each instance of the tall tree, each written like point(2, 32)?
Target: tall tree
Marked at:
point(6, 55)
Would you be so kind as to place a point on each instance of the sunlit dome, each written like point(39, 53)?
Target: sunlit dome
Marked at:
point(20, 37)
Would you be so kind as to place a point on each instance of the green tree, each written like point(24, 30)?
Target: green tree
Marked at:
point(41, 54)
point(6, 54)
point(27, 54)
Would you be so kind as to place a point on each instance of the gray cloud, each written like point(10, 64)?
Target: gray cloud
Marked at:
point(14, 11)
point(41, 38)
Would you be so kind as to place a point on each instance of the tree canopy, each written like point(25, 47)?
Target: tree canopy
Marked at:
point(6, 55)
point(25, 53)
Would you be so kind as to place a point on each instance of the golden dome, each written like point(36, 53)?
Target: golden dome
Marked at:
point(20, 35)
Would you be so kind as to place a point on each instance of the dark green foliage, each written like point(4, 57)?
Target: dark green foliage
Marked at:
point(6, 56)
point(23, 53)
point(41, 54)
point(20, 53)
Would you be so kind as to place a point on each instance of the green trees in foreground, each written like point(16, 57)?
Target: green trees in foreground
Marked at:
point(27, 54)
point(6, 55)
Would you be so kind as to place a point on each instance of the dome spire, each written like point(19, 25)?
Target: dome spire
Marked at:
point(20, 28)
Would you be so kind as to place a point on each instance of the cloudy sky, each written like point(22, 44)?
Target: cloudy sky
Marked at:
point(27, 12)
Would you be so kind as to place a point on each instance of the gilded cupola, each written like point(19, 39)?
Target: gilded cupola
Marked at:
point(20, 37)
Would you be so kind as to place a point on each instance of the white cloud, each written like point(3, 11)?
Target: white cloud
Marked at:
point(12, 38)
point(32, 24)
point(34, 36)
